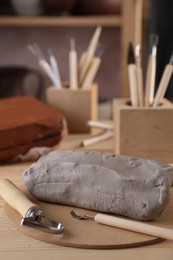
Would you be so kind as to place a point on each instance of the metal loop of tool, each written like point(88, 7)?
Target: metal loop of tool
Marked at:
point(81, 217)
point(35, 218)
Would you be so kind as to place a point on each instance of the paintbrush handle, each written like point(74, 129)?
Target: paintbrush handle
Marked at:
point(73, 70)
point(89, 55)
point(82, 60)
point(147, 86)
point(15, 198)
point(95, 64)
point(133, 85)
point(150, 81)
point(47, 69)
point(136, 226)
point(139, 78)
point(163, 84)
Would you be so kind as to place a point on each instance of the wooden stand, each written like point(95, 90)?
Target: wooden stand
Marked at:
point(143, 132)
point(78, 106)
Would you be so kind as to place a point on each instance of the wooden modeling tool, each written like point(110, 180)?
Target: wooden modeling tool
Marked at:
point(128, 224)
point(93, 68)
point(44, 65)
point(73, 68)
point(151, 72)
point(90, 54)
point(139, 76)
point(164, 83)
point(105, 134)
point(55, 69)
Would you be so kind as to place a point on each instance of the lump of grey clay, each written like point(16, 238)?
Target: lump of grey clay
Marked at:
point(105, 182)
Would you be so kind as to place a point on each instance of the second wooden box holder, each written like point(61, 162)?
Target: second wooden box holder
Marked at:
point(143, 132)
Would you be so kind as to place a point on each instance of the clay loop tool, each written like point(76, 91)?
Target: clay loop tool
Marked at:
point(32, 215)
point(127, 224)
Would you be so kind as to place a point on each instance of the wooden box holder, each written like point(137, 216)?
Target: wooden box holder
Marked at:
point(78, 106)
point(143, 132)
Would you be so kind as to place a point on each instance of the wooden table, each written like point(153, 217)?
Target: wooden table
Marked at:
point(16, 245)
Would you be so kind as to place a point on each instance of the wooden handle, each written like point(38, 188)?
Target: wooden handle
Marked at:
point(139, 78)
point(133, 85)
point(163, 84)
point(73, 70)
point(136, 226)
point(147, 86)
point(15, 198)
point(152, 79)
point(90, 54)
point(95, 64)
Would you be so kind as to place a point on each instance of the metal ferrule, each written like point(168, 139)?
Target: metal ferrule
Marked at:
point(35, 212)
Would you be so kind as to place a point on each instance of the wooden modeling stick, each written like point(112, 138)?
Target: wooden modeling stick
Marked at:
point(95, 64)
point(151, 72)
point(73, 66)
point(90, 54)
point(164, 82)
point(97, 138)
point(44, 65)
point(55, 69)
point(81, 61)
point(93, 69)
point(101, 125)
point(105, 134)
point(132, 76)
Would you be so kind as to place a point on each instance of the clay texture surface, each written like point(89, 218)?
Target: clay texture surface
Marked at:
point(105, 182)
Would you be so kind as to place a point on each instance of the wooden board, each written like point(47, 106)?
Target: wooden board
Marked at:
point(87, 233)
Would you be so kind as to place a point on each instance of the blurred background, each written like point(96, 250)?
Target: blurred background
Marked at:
point(17, 33)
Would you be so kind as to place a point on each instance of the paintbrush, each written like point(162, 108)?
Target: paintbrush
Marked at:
point(132, 76)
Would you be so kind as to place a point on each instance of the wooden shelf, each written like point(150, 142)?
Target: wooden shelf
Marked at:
point(61, 21)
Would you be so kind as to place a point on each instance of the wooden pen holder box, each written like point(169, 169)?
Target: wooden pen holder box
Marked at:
point(78, 106)
point(143, 132)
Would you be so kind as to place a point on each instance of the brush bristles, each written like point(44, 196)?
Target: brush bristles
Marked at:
point(131, 58)
point(171, 59)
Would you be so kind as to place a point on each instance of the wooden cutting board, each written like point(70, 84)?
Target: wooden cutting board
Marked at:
point(82, 234)
point(87, 233)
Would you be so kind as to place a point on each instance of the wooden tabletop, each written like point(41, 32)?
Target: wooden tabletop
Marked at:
point(16, 245)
